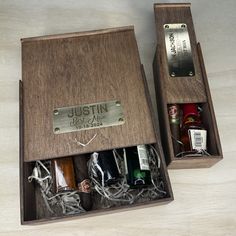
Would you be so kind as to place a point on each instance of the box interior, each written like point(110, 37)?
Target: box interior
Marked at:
point(212, 147)
point(34, 209)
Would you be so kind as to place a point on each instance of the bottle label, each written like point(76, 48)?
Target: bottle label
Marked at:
point(198, 139)
point(173, 111)
point(84, 186)
point(143, 157)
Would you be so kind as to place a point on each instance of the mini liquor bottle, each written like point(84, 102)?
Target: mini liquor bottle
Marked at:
point(82, 181)
point(193, 134)
point(63, 174)
point(137, 166)
point(174, 119)
point(109, 168)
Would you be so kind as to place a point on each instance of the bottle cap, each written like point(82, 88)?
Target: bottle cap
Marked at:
point(189, 109)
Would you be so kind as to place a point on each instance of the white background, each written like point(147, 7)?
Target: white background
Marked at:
point(205, 199)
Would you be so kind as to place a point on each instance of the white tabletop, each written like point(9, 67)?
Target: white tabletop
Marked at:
point(205, 199)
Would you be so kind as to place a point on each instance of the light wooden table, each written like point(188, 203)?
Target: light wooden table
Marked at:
point(205, 199)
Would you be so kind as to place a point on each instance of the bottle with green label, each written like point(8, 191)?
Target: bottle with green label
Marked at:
point(137, 166)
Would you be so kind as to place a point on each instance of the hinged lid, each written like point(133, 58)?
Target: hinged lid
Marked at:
point(80, 88)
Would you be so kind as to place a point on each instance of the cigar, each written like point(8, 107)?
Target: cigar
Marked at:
point(63, 174)
point(174, 118)
point(83, 181)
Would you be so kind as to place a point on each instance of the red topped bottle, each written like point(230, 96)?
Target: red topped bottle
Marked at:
point(191, 136)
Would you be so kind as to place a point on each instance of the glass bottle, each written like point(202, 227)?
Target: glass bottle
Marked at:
point(109, 172)
point(63, 174)
point(174, 119)
point(137, 166)
point(191, 136)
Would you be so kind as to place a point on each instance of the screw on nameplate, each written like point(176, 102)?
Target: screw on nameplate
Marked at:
point(88, 116)
point(56, 112)
point(57, 130)
point(178, 50)
point(118, 103)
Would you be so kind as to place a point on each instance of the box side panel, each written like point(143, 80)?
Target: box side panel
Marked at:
point(27, 194)
point(193, 163)
point(158, 145)
point(162, 108)
point(78, 34)
point(211, 113)
point(100, 212)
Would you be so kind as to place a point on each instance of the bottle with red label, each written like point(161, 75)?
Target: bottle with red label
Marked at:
point(193, 133)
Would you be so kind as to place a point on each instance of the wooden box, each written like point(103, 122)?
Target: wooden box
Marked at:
point(184, 83)
point(73, 69)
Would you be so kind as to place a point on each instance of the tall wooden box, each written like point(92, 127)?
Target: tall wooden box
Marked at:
point(180, 77)
point(75, 69)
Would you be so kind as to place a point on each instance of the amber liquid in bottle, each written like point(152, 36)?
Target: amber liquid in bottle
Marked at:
point(63, 174)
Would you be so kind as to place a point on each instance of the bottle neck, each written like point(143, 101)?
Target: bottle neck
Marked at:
point(192, 120)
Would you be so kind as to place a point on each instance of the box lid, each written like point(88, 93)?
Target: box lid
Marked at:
point(72, 70)
point(175, 32)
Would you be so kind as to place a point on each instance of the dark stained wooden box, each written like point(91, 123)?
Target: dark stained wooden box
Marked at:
point(194, 89)
point(73, 69)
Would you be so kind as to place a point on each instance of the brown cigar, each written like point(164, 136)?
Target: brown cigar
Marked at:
point(82, 181)
point(174, 118)
point(63, 174)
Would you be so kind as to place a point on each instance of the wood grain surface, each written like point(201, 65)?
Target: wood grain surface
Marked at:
point(183, 90)
point(81, 68)
point(204, 198)
point(78, 69)
point(178, 89)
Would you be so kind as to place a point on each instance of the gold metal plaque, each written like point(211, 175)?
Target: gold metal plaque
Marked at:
point(88, 116)
point(178, 49)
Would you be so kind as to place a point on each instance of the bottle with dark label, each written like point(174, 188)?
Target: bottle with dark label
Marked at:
point(193, 134)
point(137, 166)
point(63, 174)
point(108, 172)
point(174, 119)
point(83, 181)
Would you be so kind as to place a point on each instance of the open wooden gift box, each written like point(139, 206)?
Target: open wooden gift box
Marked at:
point(182, 80)
point(76, 69)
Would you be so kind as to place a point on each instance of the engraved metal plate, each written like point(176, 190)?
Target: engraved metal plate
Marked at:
point(178, 48)
point(88, 116)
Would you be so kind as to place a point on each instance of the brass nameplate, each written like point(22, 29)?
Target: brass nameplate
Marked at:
point(178, 49)
point(89, 116)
